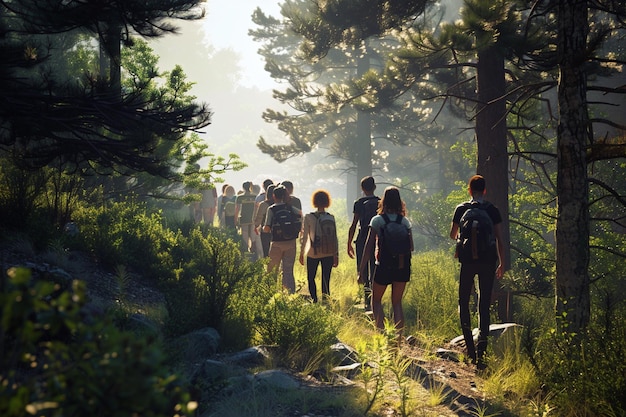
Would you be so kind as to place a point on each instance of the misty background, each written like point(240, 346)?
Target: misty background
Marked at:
point(218, 55)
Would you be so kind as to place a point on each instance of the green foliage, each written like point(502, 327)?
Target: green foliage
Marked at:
point(57, 360)
point(586, 373)
point(126, 233)
point(427, 309)
point(210, 274)
point(579, 375)
point(532, 242)
point(301, 329)
point(431, 222)
point(19, 192)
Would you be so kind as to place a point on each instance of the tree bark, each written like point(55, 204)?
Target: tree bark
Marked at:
point(573, 136)
point(491, 139)
point(363, 134)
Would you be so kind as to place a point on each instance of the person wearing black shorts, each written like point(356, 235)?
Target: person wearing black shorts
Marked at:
point(398, 274)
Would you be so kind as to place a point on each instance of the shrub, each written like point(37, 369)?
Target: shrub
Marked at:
point(56, 361)
point(586, 372)
point(302, 330)
point(126, 233)
point(210, 271)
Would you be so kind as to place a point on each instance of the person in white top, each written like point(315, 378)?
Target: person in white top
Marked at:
point(386, 272)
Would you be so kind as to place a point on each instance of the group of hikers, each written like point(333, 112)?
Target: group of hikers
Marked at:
point(272, 222)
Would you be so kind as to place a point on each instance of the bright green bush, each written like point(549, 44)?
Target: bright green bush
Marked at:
point(126, 233)
point(57, 360)
point(301, 329)
point(210, 272)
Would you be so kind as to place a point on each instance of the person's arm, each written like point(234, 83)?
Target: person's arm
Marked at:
point(336, 257)
point(369, 246)
point(454, 231)
point(304, 237)
point(255, 220)
point(237, 209)
point(351, 231)
point(267, 227)
point(497, 231)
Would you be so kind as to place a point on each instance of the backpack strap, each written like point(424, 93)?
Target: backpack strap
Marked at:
point(388, 220)
point(317, 220)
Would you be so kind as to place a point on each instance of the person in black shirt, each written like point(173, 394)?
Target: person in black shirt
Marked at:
point(364, 209)
point(486, 268)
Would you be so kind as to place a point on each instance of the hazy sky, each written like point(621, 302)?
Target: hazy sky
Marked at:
point(236, 123)
point(226, 25)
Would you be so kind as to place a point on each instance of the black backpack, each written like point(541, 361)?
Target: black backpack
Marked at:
point(286, 224)
point(395, 243)
point(477, 243)
point(368, 209)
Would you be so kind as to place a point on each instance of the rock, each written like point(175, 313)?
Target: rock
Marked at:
point(248, 358)
point(505, 337)
point(344, 354)
point(348, 371)
point(495, 330)
point(448, 354)
point(276, 378)
point(209, 372)
point(201, 344)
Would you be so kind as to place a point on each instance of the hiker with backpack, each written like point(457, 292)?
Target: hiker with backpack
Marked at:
point(259, 219)
point(227, 214)
point(390, 235)
point(476, 226)
point(319, 242)
point(244, 219)
point(363, 210)
point(284, 222)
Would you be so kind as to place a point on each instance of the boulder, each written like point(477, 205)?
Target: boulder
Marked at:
point(276, 378)
point(502, 336)
point(251, 357)
point(201, 344)
point(210, 372)
point(343, 354)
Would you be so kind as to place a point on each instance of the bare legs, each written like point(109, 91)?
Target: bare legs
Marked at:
point(397, 291)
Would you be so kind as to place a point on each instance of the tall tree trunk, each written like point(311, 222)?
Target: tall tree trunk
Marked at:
point(573, 135)
point(491, 138)
point(363, 132)
point(111, 57)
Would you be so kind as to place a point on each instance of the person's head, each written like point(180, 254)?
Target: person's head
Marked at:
point(246, 187)
point(368, 184)
point(391, 202)
point(229, 191)
point(280, 192)
point(224, 188)
point(477, 185)
point(320, 199)
point(267, 183)
point(288, 185)
point(269, 193)
point(256, 188)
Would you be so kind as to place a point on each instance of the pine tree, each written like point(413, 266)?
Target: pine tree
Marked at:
point(330, 107)
point(84, 119)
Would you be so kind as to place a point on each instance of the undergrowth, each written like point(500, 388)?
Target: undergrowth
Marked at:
point(208, 282)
